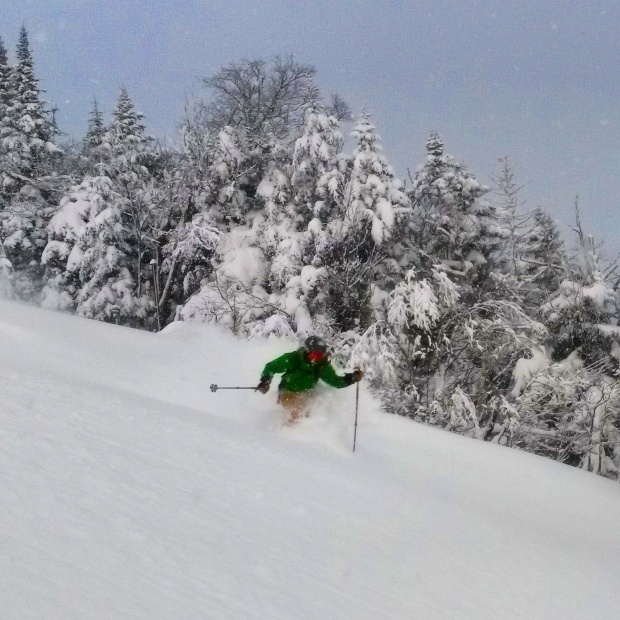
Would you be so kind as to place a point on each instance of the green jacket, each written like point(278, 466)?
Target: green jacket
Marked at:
point(300, 375)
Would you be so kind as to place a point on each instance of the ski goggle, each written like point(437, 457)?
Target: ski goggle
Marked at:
point(315, 356)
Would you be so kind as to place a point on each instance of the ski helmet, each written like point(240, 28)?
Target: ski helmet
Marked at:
point(316, 344)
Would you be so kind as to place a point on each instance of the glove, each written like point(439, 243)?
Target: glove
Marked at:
point(263, 386)
point(354, 377)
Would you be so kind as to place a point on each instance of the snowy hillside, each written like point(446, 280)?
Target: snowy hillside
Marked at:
point(129, 490)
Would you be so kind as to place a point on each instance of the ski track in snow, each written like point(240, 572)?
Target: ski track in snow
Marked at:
point(129, 490)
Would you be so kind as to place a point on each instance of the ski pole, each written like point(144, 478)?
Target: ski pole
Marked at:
point(357, 402)
point(215, 388)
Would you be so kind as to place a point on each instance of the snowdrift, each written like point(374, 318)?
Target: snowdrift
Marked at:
point(129, 490)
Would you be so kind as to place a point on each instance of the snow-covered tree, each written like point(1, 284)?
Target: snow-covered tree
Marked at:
point(435, 345)
point(569, 406)
point(131, 149)
point(272, 226)
point(582, 314)
point(568, 411)
point(108, 292)
point(189, 236)
point(373, 195)
point(542, 258)
point(26, 174)
point(316, 181)
point(187, 258)
point(5, 101)
point(5, 74)
point(302, 192)
point(233, 178)
point(234, 294)
point(361, 245)
point(531, 262)
point(88, 257)
point(64, 250)
point(6, 275)
point(282, 238)
point(93, 149)
point(29, 139)
point(455, 224)
point(133, 160)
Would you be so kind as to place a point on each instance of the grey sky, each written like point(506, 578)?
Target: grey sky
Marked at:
point(538, 80)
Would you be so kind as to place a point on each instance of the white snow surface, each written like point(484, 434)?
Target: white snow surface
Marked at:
point(129, 490)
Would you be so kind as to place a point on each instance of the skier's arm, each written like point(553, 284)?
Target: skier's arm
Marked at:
point(329, 375)
point(280, 364)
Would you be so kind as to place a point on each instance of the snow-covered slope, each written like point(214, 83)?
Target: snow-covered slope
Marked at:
point(129, 490)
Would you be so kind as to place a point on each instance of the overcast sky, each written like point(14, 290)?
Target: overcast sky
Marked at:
point(538, 80)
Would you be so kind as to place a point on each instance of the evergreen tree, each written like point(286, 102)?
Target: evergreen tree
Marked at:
point(569, 406)
point(93, 149)
point(5, 101)
point(5, 74)
point(441, 330)
point(361, 246)
point(530, 264)
point(107, 229)
point(455, 225)
point(582, 313)
point(316, 181)
point(133, 160)
point(302, 193)
point(281, 238)
point(88, 257)
point(373, 193)
point(133, 156)
point(542, 259)
point(66, 240)
point(31, 130)
point(233, 178)
point(108, 290)
point(6, 276)
point(29, 185)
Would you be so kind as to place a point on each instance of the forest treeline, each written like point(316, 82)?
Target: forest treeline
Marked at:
point(465, 310)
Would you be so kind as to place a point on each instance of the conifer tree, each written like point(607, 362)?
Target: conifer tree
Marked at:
point(132, 162)
point(6, 275)
point(455, 226)
point(233, 181)
point(27, 180)
point(133, 156)
point(531, 262)
point(64, 250)
point(373, 194)
point(5, 100)
point(281, 238)
point(88, 256)
point(5, 77)
point(582, 312)
point(31, 130)
point(360, 247)
point(93, 146)
point(542, 258)
point(5, 73)
point(108, 290)
point(315, 179)
point(302, 194)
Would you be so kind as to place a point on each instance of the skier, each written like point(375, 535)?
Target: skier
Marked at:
point(301, 371)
